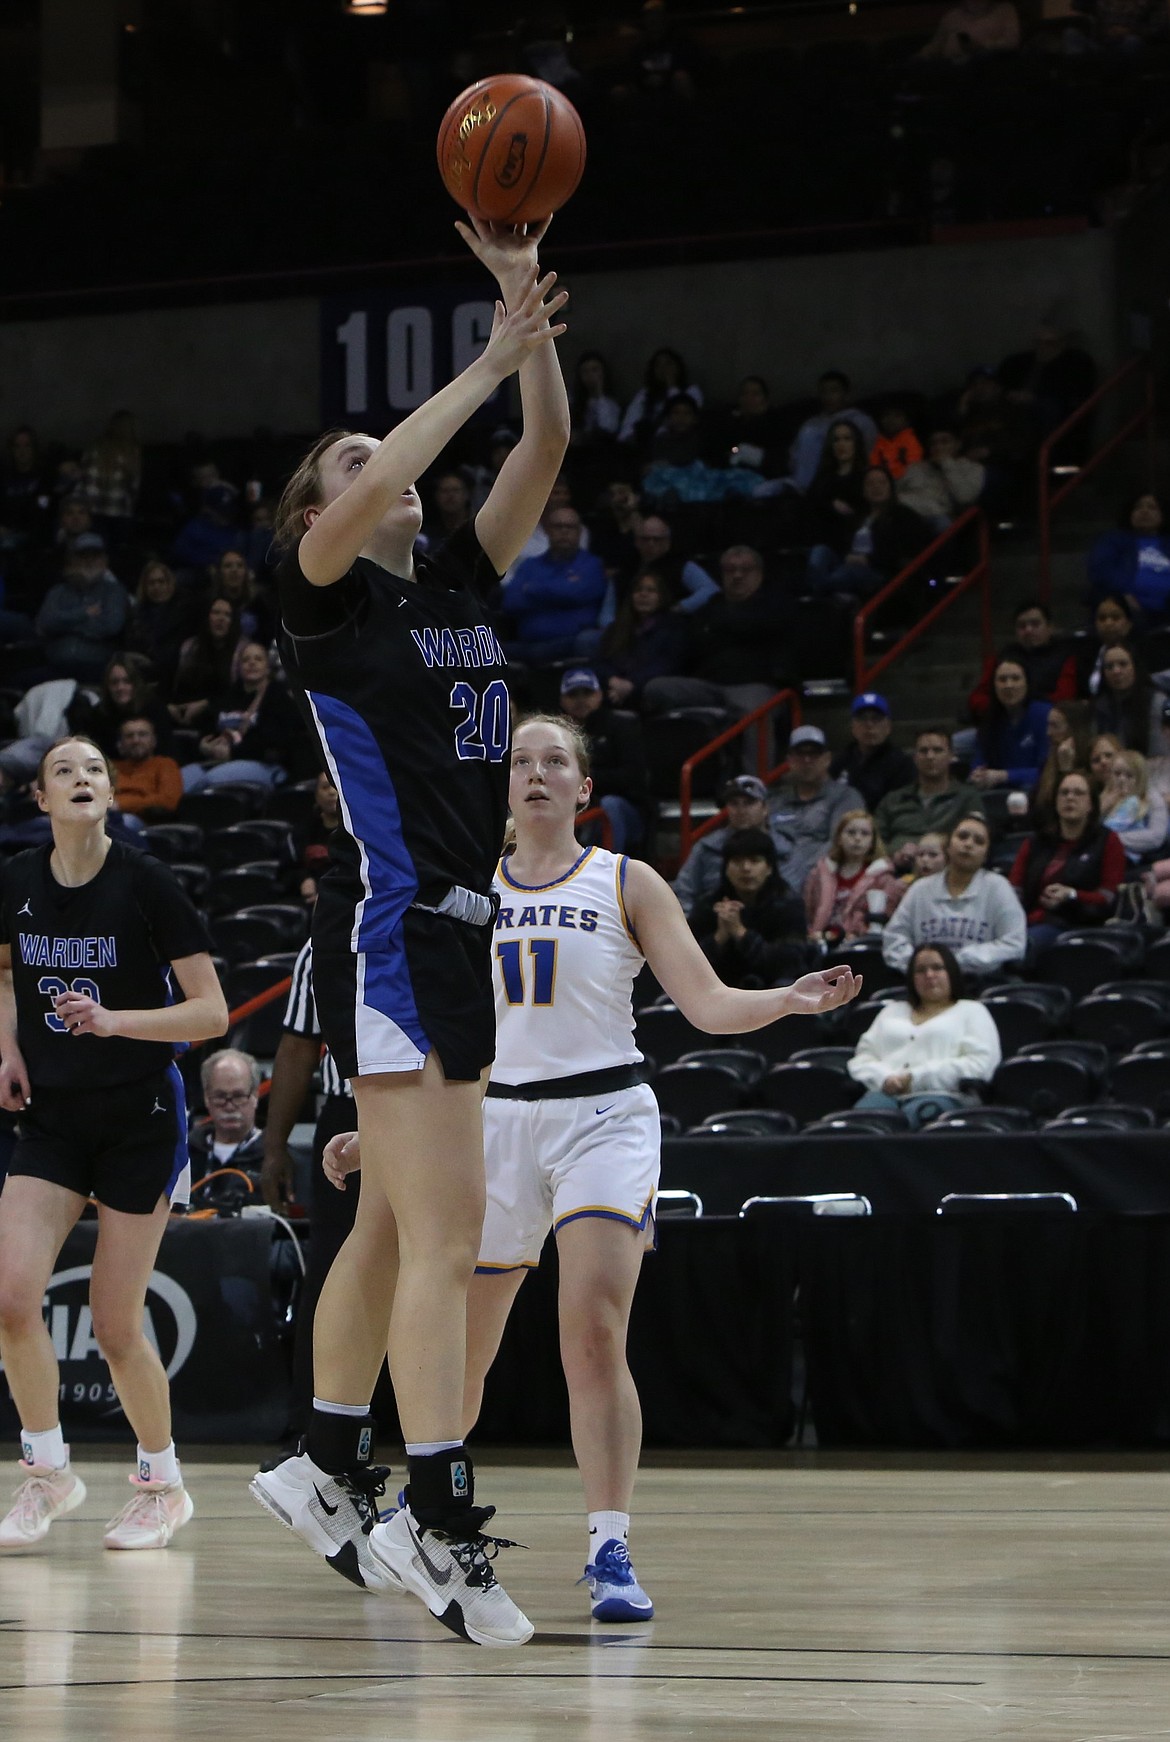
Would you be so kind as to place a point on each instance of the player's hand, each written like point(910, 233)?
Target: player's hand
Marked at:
point(509, 252)
point(276, 1177)
point(343, 1155)
point(84, 1015)
point(15, 1093)
point(814, 994)
point(517, 334)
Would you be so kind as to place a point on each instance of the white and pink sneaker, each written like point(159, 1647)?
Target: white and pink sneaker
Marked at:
point(151, 1516)
point(44, 1495)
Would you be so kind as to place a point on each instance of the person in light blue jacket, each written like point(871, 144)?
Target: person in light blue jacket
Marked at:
point(1013, 735)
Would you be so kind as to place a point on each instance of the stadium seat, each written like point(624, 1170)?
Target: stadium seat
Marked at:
point(193, 879)
point(746, 1122)
point(240, 938)
point(837, 1056)
point(676, 1202)
point(1142, 1078)
point(215, 807)
point(1103, 1116)
point(864, 956)
point(858, 1122)
point(748, 1065)
point(244, 843)
point(242, 885)
point(1081, 960)
point(670, 739)
point(794, 1034)
point(291, 804)
point(1157, 963)
point(664, 1032)
point(260, 1033)
point(1026, 1012)
point(691, 1089)
point(978, 1203)
point(1049, 1075)
point(1123, 1015)
point(289, 916)
point(669, 1125)
point(248, 979)
point(857, 1017)
point(983, 1120)
point(171, 841)
point(809, 1204)
point(808, 1089)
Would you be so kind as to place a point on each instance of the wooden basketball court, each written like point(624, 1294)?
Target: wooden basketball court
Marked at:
point(809, 1596)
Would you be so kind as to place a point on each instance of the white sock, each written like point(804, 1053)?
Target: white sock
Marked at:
point(429, 1448)
point(158, 1466)
point(605, 1527)
point(47, 1451)
point(340, 1408)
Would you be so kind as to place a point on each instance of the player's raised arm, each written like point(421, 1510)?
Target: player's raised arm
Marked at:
point(371, 480)
point(685, 974)
point(507, 519)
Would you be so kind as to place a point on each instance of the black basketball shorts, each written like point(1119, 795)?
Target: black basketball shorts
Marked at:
point(125, 1145)
point(385, 1010)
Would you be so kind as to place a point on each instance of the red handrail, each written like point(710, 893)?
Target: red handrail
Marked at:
point(687, 836)
point(1046, 497)
point(977, 576)
point(595, 814)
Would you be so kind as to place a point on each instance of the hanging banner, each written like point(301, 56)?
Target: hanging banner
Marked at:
point(385, 352)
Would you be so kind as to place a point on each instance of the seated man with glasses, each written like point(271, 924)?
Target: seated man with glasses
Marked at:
point(231, 1081)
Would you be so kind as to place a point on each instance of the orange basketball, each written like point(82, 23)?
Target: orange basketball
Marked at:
point(511, 149)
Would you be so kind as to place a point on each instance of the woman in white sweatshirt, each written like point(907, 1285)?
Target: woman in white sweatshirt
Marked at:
point(917, 1054)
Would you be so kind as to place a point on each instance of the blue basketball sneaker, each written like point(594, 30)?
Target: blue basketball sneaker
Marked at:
point(614, 1587)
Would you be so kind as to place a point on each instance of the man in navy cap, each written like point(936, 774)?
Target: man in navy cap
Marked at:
point(621, 778)
point(746, 799)
point(806, 805)
point(872, 763)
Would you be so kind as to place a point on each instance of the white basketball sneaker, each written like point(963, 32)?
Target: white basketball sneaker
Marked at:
point(333, 1514)
point(453, 1576)
point(151, 1516)
point(43, 1495)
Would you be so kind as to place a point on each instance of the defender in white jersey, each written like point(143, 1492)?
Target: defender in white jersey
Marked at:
point(571, 1132)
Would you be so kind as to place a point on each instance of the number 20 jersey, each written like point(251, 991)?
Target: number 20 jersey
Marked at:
point(404, 689)
point(565, 961)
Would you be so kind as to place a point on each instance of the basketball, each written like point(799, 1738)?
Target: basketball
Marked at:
point(511, 149)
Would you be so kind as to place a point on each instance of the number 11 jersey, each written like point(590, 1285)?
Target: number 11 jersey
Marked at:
point(403, 685)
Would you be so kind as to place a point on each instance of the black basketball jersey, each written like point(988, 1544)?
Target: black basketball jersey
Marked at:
point(403, 684)
point(112, 938)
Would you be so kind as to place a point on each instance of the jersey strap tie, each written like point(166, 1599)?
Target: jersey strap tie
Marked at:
point(585, 1083)
point(464, 904)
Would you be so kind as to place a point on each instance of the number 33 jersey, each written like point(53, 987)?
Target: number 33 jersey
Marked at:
point(403, 686)
point(112, 939)
point(564, 970)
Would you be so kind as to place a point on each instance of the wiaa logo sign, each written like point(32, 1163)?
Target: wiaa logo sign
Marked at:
point(169, 1321)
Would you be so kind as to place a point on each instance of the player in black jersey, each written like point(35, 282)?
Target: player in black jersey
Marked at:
point(91, 932)
point(403, 682)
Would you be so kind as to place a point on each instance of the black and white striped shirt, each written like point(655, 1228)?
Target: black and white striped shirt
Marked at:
point(300, 1017)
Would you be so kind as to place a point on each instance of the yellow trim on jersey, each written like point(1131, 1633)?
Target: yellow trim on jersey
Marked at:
point(503, 1269)
point(536, 888)
point(608, 1210)
point(621, 902)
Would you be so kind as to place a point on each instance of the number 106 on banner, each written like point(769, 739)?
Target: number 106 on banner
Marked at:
point(382, 356)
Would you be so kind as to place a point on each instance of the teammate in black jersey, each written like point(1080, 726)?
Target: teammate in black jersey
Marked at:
point(90, 933)
point(403, 682)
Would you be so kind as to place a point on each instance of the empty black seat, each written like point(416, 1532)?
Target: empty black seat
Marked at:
point(864, 956)
point(746, 1122)
point(1103, 1116)
point(243, 843)
point(289, 916)
point(1122, 1016)
point(673, 738)
point(662, 1031)
point(239, 938)
point(248, 979)
point(1142, 1078)
point(690, 1090)
point(747, 1064)
point(1026, 1012)
point(171, 841)
point(858, 1121)
point(215, 807)
point(994, 1203)
point(669, 1125)
point(808, 1089)
point(193, 879)
point(242, 886)
point(1157, 963)
point(260, 1033)
point(983, 1120)
point(780, 1040)
point(1049, 1075)
point(291, 804)
point(1082, 960)
point(809, 1204)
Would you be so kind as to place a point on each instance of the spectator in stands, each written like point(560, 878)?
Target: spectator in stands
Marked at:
point(1068, 876)
point(1106, 748)
point(897, 447)
point(126, 693)
point(930, 856)
point(111, 476)
point(160, 620)
point(691, 583)
point(256, 735)
point(753, 431)
point(917, 1056)
point(736, 657)
point(311, 841)
point(1134, 561)
point(1052, 379)
point(617, 759)
point(746, 800)
point(931, 805)
point(972, 910)
point(662, 61)
point(972, 29)
point(597, 416)
point(1046, 659)
point(209, 663)
point(885, 536)
point(1127, 701)
point(231, 1138)
point(555, 600)
point(807, 805)
point(202, 540)
point(559, 497)
point(666, 376)
point(752, 930)
point(835, 493)
point(808, 447)
point(235, 582)
point(83, 616)
point(450, 507)
point(1013, 734)
point(483, 475)
point(1000, 435)
point(1113, 626)
point(872, 764)
point(646, 639)
point(855, 886)
point(257, 541)
point(1070, 745)
point(944, 485)
point(25, 490)
point(680, 439)
point(149, 785)
point(1135, 811)
point(613, 527)
point(74, 520)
